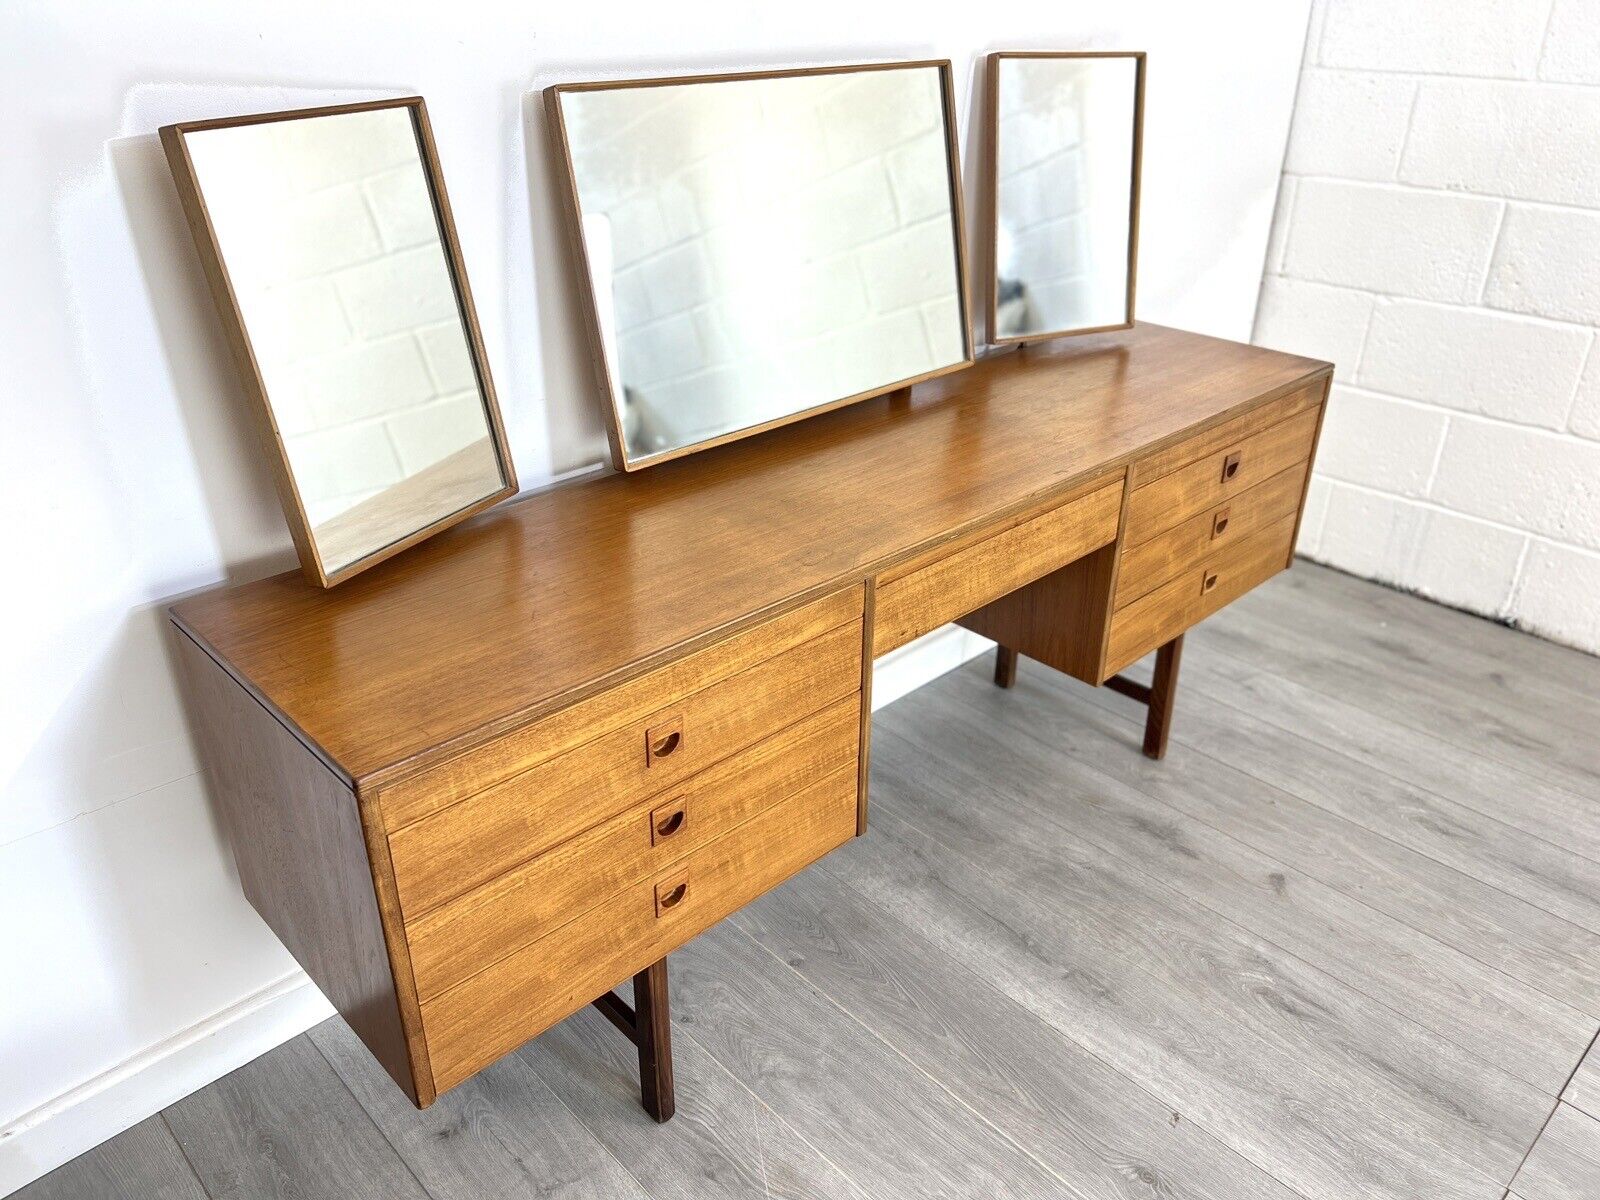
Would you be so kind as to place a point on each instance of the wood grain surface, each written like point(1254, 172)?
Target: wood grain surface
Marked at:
point(1208, 482)
point(530, 606)
point(911, 604)
point(522, 905)
point(1054, 967)
point(484, 836)
point(523, 994)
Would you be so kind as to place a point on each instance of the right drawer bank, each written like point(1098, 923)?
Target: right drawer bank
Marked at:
point(1208, 519)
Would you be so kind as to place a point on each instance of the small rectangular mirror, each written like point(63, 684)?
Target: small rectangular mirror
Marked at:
point(1063, 173)
point(762, 247)
point(327, 240)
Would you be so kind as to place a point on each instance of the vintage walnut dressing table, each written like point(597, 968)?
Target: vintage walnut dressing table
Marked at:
point(482, 783)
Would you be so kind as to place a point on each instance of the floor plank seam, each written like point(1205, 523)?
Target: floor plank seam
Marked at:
point(1386, 837)
point(1216, 696)
point(1135, 725)
point(1479, 749)
point(1134, 866)
point(581, 1124)
point(1250, 672)
point(1319, 971)
point(916, 1066)
point(1379, 915)
point(1550, 1116)
point(183, 1151)
point(1136, 1084)
point(371, 1120)
point(776, 1115)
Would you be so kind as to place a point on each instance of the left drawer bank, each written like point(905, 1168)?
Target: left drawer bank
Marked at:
point(457, 911)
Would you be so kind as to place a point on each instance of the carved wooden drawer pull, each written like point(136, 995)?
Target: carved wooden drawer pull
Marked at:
point(668, 819)
point(1209, 582)
point(663, 740)
point(1230, 465)
point(1219, 523)
point(672, 891)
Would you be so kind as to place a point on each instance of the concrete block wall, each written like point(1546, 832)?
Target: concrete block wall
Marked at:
point(862, 288)
point(1437, 237)
point(351, 308)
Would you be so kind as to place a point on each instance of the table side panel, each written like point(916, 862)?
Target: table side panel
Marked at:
point(297, 837)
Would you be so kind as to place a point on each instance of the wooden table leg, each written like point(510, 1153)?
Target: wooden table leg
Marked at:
point(1163, 694)
point(654, 1029)
point(647, 1024)
point(1005, 666)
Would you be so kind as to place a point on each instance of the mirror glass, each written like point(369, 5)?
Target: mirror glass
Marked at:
point(1065, 192)
point(761, 247)
point(330, 236)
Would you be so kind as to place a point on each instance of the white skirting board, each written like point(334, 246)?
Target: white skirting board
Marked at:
point(102, 1107)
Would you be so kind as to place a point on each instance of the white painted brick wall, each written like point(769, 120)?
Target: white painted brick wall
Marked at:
point(1438, 238)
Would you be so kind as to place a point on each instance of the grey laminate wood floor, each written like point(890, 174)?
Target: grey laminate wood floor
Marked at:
point(1344, 942)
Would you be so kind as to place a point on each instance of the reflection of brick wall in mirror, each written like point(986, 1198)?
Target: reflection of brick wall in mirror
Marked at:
point(1065, 136)
point(1041, 166)
point(352, 314)
point(862, 182)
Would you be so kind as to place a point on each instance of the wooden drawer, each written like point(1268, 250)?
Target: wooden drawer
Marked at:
point(464, 936)
point(1184, 547)
point(912, 600)
point(485, 835)
point(1189, 598)
point(624, 704)
point(496, 1010)
point(1218, 475)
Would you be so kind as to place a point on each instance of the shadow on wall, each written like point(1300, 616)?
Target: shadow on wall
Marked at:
point(574, 426)
point(233, 474)
point(110, 848)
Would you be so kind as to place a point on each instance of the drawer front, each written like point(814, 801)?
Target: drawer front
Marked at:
point(624, 705)
point(1219, 476)
point(485, 835)
point(1219, 437)
point(1189, 598)
point(468, 934)
point(1186, 546)
point(928, 596)
point(476, 1022)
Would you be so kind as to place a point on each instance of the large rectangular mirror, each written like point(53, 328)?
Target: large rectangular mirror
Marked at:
point(327, 240)
point(761, 247)
point(1063, 174)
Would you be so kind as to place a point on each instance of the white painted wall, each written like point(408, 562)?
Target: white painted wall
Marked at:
point(1438, 238)
point(133, 970)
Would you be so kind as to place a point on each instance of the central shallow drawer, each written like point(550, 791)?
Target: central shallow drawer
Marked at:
point(471, 932)
point(522, 995)
point(913, 599)
point(487, 834)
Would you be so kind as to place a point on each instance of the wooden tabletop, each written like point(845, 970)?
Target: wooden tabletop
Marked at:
point(533, 604)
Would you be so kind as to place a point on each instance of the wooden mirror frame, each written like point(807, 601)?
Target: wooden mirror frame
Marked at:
point(562, 148)
point(238, 336)
point(991, 170)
